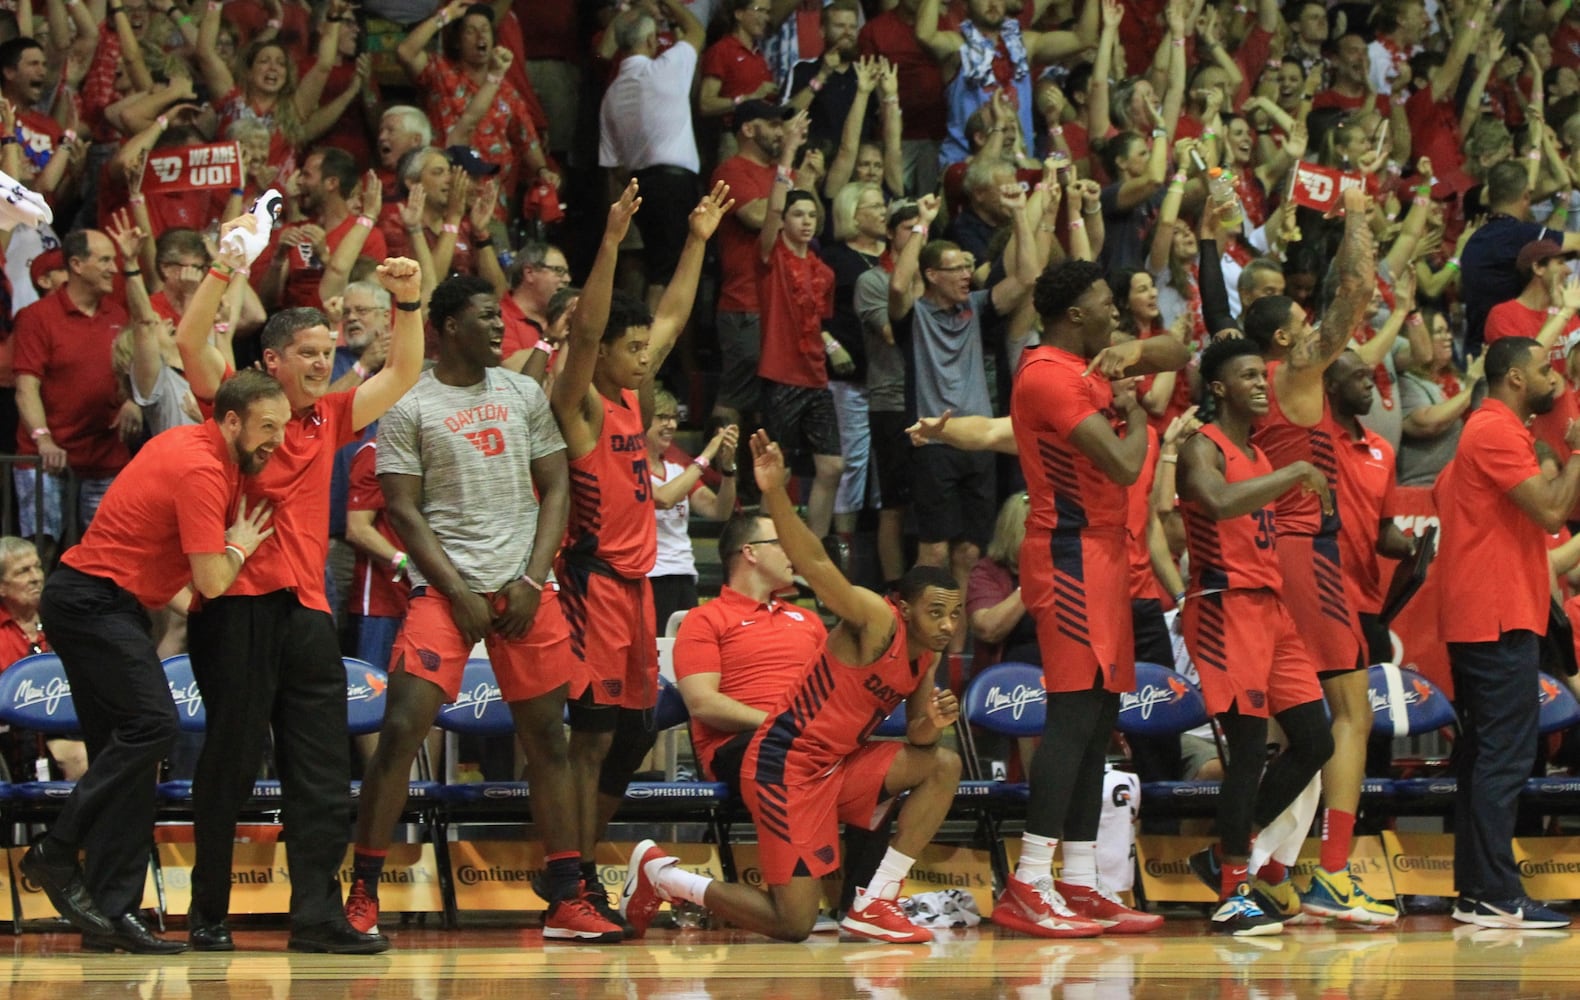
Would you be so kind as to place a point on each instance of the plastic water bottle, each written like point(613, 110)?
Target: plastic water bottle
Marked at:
point(1221, 188)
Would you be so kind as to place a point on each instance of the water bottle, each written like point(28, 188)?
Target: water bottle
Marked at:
point(1221, 188)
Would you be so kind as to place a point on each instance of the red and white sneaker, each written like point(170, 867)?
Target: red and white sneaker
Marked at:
point(1116, 917)
point(362, 910)
point(639, 897)
point(575, 919)
point(884, 920)
point(1038, 909)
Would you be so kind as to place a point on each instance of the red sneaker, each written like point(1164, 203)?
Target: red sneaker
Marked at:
point(1038, 909)
point(362, 910)
point(639, 897)
point(575, 919)
point(884, 920)
point(1116, 917)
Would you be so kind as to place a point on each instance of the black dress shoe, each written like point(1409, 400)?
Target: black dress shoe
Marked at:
point(205, 936)
point(132, 935)
point(61, 880)
point(336, 937)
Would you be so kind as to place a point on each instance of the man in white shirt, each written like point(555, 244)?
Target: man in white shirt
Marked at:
point(645, 129)
point(1401, 27)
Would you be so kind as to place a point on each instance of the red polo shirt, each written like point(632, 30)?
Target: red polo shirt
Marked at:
point(739, 70)
point(174, 500)
point(306, 270)
point(16, 643)
point(921, 80)
point(373, 592)
point(1366, 496)
point(69, 352)
point(1483, 529)
point(522, 332)
point(296, 482)
point(758, 650)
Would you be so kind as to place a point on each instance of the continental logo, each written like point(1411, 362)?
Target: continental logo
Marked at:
point(949, 880)
point(1532, 867)
point(1013, 701)
point(260, 875)
point(1159, 868)
point(1420, 863)
point(396, 876)
point(473, 875)
point(475, 699)
point(1149, 696)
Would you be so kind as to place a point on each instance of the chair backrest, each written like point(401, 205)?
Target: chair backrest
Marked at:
point(1405, 702)
point(1164, 703)
point(672, 627)
point(1557, 705)
point(479, 709)
point(367, 690)
point(184, 691)
point(894, 725)
point(34, 694)
point(1007, 698)
point(671, 710)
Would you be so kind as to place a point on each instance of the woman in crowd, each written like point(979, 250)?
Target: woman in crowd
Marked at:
point(677, 491)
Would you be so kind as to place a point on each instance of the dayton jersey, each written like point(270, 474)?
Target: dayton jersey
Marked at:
point(612, 511)
point(829, 713)
point(1069, 493)
point(1237, 553)
point(1285, 442)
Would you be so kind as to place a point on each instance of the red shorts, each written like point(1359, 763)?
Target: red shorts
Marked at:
point(798, 824)
point(614, 636)
point(1315, 595)
point(1077, 588)
point(1248, 652)
point(431, 647)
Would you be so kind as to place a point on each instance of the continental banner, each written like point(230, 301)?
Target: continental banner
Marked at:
point(498, 874)
point(1166, 874)
point(1422, 864)
point(35, 905)
point(940, 867)
point(1549, 866)
point(260, 878)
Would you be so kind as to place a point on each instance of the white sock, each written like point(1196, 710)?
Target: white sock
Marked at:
point(886, 881)
point(1036, 857)
point(674, 883)
point(1080, 863)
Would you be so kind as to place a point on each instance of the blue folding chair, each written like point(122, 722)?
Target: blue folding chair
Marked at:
point(1558, 710)
point(35, 694)
point(1406, 703)
point(1167, 703)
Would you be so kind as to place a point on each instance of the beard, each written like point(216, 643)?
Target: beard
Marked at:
point(1544, 403)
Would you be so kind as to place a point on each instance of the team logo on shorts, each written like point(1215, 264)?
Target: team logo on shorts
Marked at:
point(825, 854)
point(613, 688)
point(1258, 699)
point(430, 660)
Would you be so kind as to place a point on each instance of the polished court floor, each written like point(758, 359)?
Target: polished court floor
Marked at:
point(1426, 958)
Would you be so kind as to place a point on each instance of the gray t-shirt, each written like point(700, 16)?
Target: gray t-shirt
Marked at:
point(166, 406)
point(885, 365)
point(1386, 419)
point(944, 356)
point(1422, 458)
point(473, 446)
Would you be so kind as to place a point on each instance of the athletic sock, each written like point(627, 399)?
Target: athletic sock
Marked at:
point(1036, 857)
point(1338, 830)
point(1080, 863)
point(367, 865)
point(1233, 875)
point(674, 882)
point(1273, 872)
point(564, 871)
point(886, 881)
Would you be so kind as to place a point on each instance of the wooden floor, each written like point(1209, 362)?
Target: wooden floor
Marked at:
point(1427, 958)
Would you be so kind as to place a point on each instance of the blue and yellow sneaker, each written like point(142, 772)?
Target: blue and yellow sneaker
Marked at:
point(1338, 896)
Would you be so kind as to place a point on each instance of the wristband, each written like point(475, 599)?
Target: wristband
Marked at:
point(1092, 211)
point(737, 99)
point(398, 564)
point(117, 10)
point(221, 272)
point(1179, 43)
point(8, 140)
point(784, 173)
point(1179, 598)
point(815, 84)
point(241, 553)
point(137, 199)
point(1171, 459)
point(495, 78)
point(1553, 310)
point(727, 473)
point(1206, 133)
point(40, 433)
point(272, 22)
point(1056, 131)
point(1179, 177)
point(1424, 191)
point(450, 227)
point(1043, 227)
point(164, 122)
point(238, 192)
point(1534, 155)
point(544, 346)
point(183, 18)
point(535, 585)
point(891, 100)
point(919, 229)
point(221, 327)
point(362, 372)
point(1274, 64)
point(482, 243)
point(1077, 224)
point(1453, 262)
point(214, 5)
point(1472, 25)
point(132, 272)
point(701, 462)
point(365, 221)
point(1040, 186)
point(408, 307)
point(831, 346)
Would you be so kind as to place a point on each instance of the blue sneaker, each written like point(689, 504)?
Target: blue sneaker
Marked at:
point(1519, 913)
point(1241, 916)
point(1206, 866)
point(1338, 896)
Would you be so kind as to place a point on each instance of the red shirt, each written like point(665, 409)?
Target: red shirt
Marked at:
point(1144, 582)
point(738, 69)
point(1482, 528)
point(1434, 131)
point(554, 28)
point(738, 253)
point(175, 499)
point(373, 593)
point(795, 295)
point(69, 352)
point(16, 643)
point(1286, 442)
point(1069, 493)
point(350, 130)
point(161, 304)
point(505, 133)
point(397, 241)
point(922, 111)
point(1236, 553)
point(1334, 99)
point(612, 492)
point(522, 332)
point(757, 650)
point(1515, 319)
point(296, 482)
point(306, 270)
point(1366, 496)
point(251, 17)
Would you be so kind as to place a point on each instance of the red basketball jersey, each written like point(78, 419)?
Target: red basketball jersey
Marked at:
point(1069, 493)
point(1238, 553)
point(830, 712)
point(1144, 582)
point(612, 493)
point(1285, 442)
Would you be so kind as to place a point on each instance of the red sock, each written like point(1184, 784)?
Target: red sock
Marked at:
point(1273, 872)
point(1338, 830)
point(1233, 875)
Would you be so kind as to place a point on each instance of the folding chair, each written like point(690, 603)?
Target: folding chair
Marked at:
point(1167, 703)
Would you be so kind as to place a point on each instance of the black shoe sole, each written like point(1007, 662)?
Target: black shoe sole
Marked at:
point(103, 944)
point(323, 948)
point(88, 923)
point(213, 946)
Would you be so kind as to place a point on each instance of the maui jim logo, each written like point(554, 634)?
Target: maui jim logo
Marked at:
point(1417, 694)
point(370, 688)
point(1148, 696)
point(478, 699)
point(1015, 701)
point(49, 695)
point(189, 701)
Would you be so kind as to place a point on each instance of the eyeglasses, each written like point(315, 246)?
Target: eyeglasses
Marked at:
point(559, 270)
point(763, 541)
point(956, 268)
point(365, 310)
point(665, 417)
